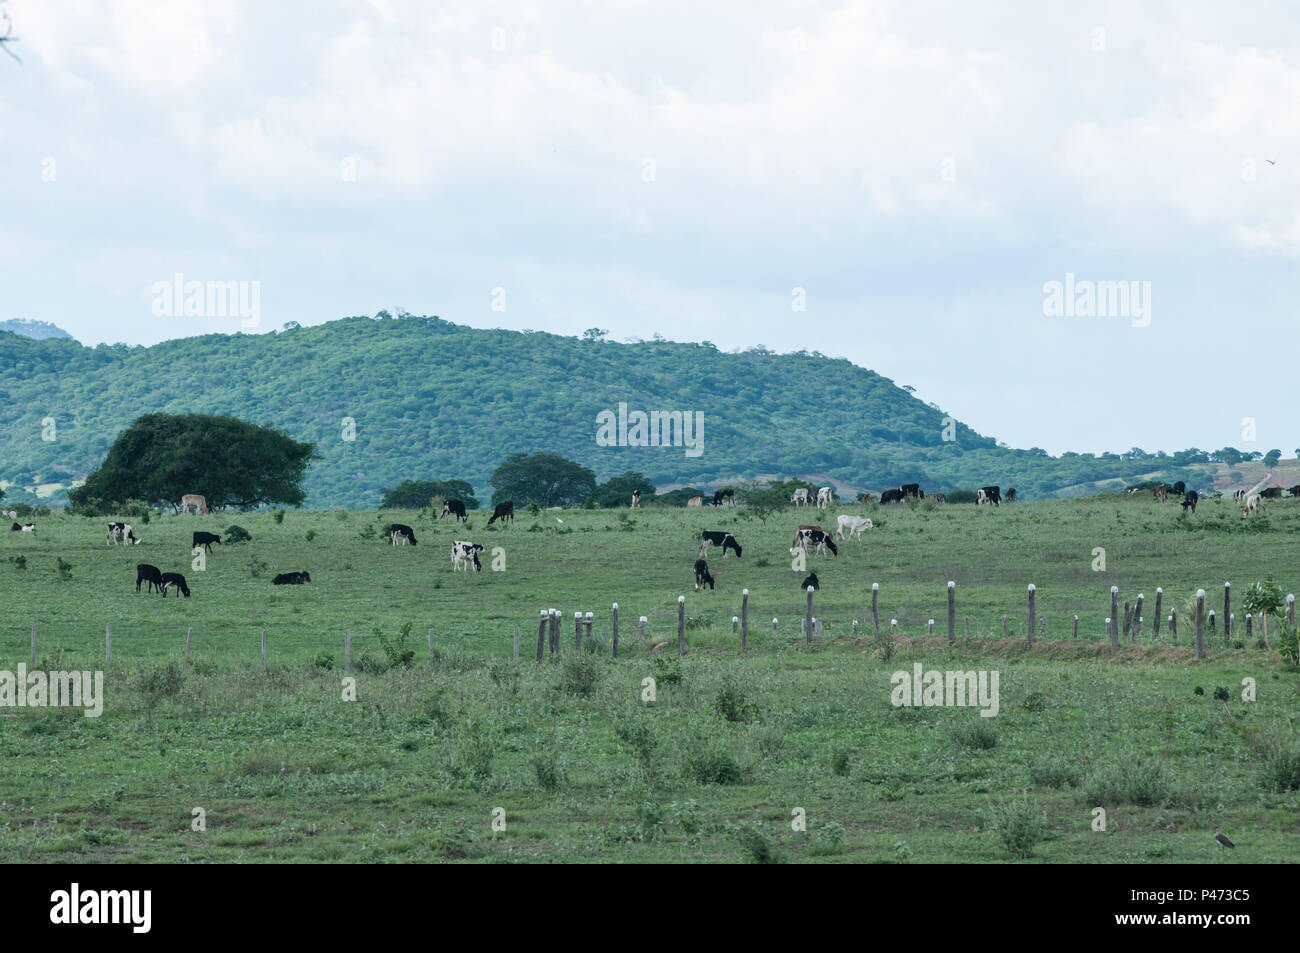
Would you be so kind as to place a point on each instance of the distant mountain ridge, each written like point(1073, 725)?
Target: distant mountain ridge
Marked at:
point(394, 398)
point(29, 328)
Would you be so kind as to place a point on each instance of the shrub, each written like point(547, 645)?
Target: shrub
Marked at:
point(323, 660)
point(1129, 780)
point(550, 769)
point(65, 570)
point(278, 516)
point(311, 534)
point(711, 763)
point(977, 733)
point(1282, 767)
point(399, 656)
point(159, 682)
point(755, 841)
point(580, 675)
point(20, 561)
point(1054, 773)
point(732, 705)
point(236, 534)
point(1018, 824)
point(828, 840)
point(840, 762)
point(1289, 646)
point(688, 817)
point(650, 820)
point(1221, 694)
point(638, 733)
point(882, 642)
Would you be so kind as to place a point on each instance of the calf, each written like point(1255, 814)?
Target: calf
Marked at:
point(727, 495)
point(205, 540)
point(1011, 495)
point(817, 538)
point(150, 574)
point(1161, 492)
point(824, 497)
point(1189, 499)
point(504, 511)
point(800, 497)
point(718, 538)
point(403, 532)
point(702, 576)
point(695, 501)
point(123, 532)
point(810, 581)
point(463, 553)
point(912, 490)
point(456, 508)
point(891, 496)
point(853, 525)
point(1252, 505)
point(291, 579)
point(177, 580)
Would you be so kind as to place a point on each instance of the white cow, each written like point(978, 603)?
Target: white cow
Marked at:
point(824, 497)
point(853, 525)
point(800, 497)
point(1252, 505)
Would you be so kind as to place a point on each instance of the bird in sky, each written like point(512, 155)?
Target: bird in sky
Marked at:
point(1218, 835)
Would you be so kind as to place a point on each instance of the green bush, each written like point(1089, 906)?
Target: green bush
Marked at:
point(550, 769)
point(236, 534)
point(1018, 824)
point(1130, 779)
point(710, 762)
point(732, 705)
point(1282, 767)
point(1054, 773)
point(755, 842)
point(580, 675)
point(977, 733)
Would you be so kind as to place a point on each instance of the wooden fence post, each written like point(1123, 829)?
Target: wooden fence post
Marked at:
point(1042, 629)
point(577, 631)
point(774, 625)
point(1004, 626)
point(641, 628)
point(808, 619)
point(614, 623)
point(1156, 633)
point(32, 664)
point(1227, 609)
point(1074, 628)
point(514, 656)
point(681, 626)
point(1173, 626)
point(1128, 621)
point(555, 632)
point(855, 627)
point(952, 612)
point(1033, 612)
point(1250, 632)
point(1137, 619)
point(264, 650)
point(541, 632)
point(108, 645)
point(1114, 619)
point(1211, 616)
point(735, 624)
point(1109, 624)
point(189, 639)
point(1290, 609)
point(347, 651)
point(1200, 623)
point(875, 610)
point(929, 628)
point(591, 617)
point(1232, 624)
point(744, 618)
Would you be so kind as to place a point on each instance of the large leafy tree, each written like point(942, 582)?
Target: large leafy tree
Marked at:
point(231, 462)
point(617, 491)
point(548, 478)
point(415, 494)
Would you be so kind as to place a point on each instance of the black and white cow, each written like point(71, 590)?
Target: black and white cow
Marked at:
point(819, 539)
point(150, 574)
point(456, 508)
point(463, 553)
point(24, 528)
point(504, 511)
point(636, 499)
point(1189, 499)
point(403, 532)
point(205, 540)
point(291, 579)
point(891, 496)
point(177, 580)
point(726, 495)
point(989, 494)
point(718, 538)
point(702, 575)
point(1238, 495)
point(810, 581)
point(121, 532)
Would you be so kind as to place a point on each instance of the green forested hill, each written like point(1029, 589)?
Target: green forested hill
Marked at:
point(433, 400)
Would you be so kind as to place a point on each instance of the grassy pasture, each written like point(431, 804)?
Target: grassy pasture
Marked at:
point(710, 771)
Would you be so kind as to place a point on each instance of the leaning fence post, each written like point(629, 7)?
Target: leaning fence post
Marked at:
point(1033, 612)
point(808, 622)
point(347, 651)
point(1137, 619)
point(1200, 623)
point(965, 627)
point(33, 661)
point(1227, 609)
point(875, 610)
point(681, 625)
point(774, 624)
point(1114, 619)
point(614, 622)
point(744, 618)
point(735, 624)
point(108, 645)
point(1156, 633)
point(952, 612)
point(189, 638)
point(1004, 626)
point(264, 650)
point(514, 657)
point(541, 632)
point(554, 634)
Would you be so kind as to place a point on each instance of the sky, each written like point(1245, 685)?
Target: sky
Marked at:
point(898, 184)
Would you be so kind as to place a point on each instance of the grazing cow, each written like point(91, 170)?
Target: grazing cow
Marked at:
point(864, 497)
point(1179, 488)
point(853, 525)
point(891, 496)
point(1252, 505)
point(938, 497)
point(695, 501)
point(636, 499)
point(291, 579)
point(150, 574)
point(463, 553)
point(193, 499)
point(1189, 499)
point(824, 497)
point(177, 580)
point(1161, 492)
point(912, 490)
point(718, 538)
point(456, 508)
point(724, 496)
point(800, 497)
point(810, 581)
point(1011, 495)
point(403, 532)
point(817, 538)
point(504, 511)
point(702, 576)
point(123, 532)
point(205, 540)
point(1272, 493)
point(1238, 495)
point(989, 494)
point(1295, 490)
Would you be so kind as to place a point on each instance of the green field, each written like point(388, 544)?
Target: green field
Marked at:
point(736, 740)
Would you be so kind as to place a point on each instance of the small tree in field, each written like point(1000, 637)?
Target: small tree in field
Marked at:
point(1262, 600)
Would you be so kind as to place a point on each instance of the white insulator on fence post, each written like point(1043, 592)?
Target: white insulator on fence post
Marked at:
point(735, 624)
point(641, 624)
point(929, 628)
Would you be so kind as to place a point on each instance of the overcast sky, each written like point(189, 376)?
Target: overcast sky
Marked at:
point(921, 171)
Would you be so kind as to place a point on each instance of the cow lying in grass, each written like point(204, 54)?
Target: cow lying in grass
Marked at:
point(291, 579)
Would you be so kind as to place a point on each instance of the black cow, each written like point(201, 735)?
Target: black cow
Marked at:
point(291, 579)
point(817, 538)
point(205, 540)
point(150, 574)
point(456, 508)
point(401, 531)
point(177, 580)
point(718, 538)
point(702, 576)
point(1295, 490)
point(891, 496)
point(1011, 495)
point(504, 511)
point(810, 581)
point(1179, 488)
point(1272, 493)
point(992, 494)
point(1189, 499)
point(721, 496)
point(912, 490)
